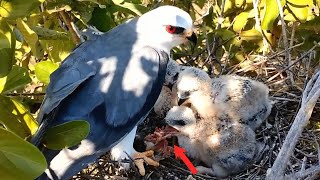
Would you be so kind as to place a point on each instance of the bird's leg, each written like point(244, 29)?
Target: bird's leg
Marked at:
point(125, 148)
point(140, 157)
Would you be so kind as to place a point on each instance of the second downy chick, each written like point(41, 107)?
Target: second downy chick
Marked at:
point(222, 143)
point(246, 98)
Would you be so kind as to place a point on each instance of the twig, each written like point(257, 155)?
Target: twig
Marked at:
point(309, 99)
point(24, 94)
point(75, 36)
point(302, 174)
point(289, 52)
point(294, 62)
point(285, 40)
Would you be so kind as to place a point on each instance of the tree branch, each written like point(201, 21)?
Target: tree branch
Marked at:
point(309, 99)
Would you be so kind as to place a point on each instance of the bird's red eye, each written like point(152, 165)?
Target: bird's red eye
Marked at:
point(171, 29)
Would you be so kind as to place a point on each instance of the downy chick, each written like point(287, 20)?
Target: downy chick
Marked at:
point(224, 145)
point(244, 97)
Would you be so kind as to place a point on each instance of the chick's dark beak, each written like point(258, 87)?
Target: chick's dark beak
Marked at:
point(181, 101)
point(193, 38)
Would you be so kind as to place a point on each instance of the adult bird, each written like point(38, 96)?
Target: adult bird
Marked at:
point(112, 81)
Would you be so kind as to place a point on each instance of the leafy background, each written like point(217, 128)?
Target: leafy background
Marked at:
point(235, 36)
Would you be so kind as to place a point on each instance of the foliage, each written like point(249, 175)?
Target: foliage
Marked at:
point(66, 135)
point(19, 159)
point(36, 35)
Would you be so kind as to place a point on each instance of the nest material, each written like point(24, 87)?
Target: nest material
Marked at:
point(286, 93)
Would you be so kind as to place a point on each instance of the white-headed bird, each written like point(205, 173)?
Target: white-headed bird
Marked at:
point(112, 81)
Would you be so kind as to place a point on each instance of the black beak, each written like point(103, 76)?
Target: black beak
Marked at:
point(193, 38)
point(181, 101)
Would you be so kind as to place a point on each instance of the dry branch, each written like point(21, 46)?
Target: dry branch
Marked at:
point(309, 99)
point(302, 174)
point(75, 36)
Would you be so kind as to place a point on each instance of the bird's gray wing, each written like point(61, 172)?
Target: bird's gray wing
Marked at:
point(66, 79)
point(72, 72)
point(129, 97)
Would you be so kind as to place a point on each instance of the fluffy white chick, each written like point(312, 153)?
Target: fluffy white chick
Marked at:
point(246, 98)
point(224, 145)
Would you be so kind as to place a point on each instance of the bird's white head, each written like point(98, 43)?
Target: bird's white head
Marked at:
point(181, 118)
point(165, 27)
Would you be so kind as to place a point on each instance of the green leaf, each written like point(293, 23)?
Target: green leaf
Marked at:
point(31, 38)
point(66, 135)
point(251, 35)
point(7, 48)
point(57, 50)
point(16, 118)
point(101, 19)
point(17, 8)
point(240, 21)
point(83, 11)
point(300, 2)
point(225, 34)
point(19, 159)
point(48, 34)
point(17, 78)
point(137, 9)
point(8, 120)
point(270, 14)
point(299, 13)
point(43, 70)
point(26, 119)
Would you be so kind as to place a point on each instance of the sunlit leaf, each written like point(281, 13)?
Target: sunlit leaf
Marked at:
point(57, 50)
point(239, 3)
point(26, 119)
point(225, 34)
point(16, 118)
point(135, 8)
point(251, 35)
point(17, 78)
point(19, 159)
point(7, 45)
point(43, 70)
point(31, 38)
point(17, 8)
point(8, 119)
point(240, 21)
point(300, 2)
point(66, 135)
point(271, 13)
point(297, 13)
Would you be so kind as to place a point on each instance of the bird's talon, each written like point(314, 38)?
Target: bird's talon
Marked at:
point(139, 158)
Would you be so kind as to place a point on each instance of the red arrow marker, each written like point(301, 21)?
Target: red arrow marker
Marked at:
point(179, 152)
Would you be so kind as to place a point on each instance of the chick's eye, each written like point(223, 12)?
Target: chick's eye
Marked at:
point(174, 30)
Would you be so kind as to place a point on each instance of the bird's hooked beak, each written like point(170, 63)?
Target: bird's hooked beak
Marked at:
point(191, 36)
